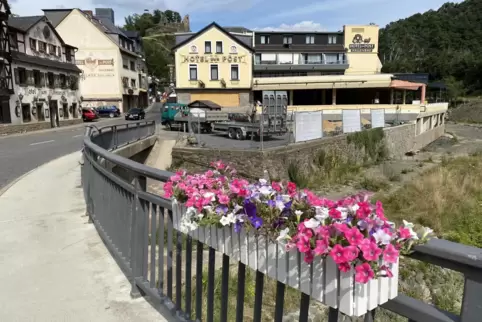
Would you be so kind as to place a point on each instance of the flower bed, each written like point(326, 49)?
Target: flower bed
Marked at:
point(347, 251)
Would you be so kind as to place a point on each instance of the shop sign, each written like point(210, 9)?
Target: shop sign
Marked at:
point(359, 44)
point(213, 59)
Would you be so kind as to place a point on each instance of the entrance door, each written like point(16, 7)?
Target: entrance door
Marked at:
point(54, 114)
point(5, 116)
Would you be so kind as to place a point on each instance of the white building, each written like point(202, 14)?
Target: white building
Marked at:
point(45, 75)
point(113, 68)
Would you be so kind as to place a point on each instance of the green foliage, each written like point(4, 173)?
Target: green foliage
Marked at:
point(444, 43)
point(372, 142)
point(157, 38)
point(295, 175)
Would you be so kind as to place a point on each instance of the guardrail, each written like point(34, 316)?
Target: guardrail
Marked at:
point(130, 221)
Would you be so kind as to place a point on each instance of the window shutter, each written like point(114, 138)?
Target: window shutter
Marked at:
point(16, 75)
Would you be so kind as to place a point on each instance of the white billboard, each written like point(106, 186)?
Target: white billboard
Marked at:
point(308, 126)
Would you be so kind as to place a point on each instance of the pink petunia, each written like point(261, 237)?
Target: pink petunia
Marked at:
point(344, 267)
point(337, 254)
point(223, 199)
point(371, 251)
point(390, 254)
point(276, 186)
point(364, 210)
point(303, 245)
point(309, 257)
point(321, 247)
point(341, 227)
point(350, 253)
point(291, 187)
point(363, 273)
point(404, 233)
point(335, 213)
point(386, 270)
point(353, 236)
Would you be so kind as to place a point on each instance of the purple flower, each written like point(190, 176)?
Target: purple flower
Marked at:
point(237, 226)
point(271, 203)
point(249, 208)
point(256, 221)
point(221, 209)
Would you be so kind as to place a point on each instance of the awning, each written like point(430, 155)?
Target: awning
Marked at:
point(401, 84)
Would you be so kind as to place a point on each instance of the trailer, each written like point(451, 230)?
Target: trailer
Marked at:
point(270, 122)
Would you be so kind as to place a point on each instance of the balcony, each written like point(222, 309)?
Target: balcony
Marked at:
point(300, 65)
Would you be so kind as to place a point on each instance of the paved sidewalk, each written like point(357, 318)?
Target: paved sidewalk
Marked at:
point(53, 264)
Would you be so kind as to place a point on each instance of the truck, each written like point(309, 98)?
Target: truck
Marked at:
point(269, 118)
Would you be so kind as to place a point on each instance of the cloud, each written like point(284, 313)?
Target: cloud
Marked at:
point(300, 26)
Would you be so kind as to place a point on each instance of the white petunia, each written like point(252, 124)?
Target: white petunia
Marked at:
point(263, 181)
point(298, 212)
point(210, 195)
point(407, 224)
point(343, 211)
point(286, 198)
point(353, 208)
point(321, 213)
point(280, 205)
point(284, 235)
point(265, 190)
point(224, 221)
point(312, 223)
point(426, 231)
point(413, 234)
point(382, 237)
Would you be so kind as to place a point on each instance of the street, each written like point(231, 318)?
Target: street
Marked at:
point(20, 154)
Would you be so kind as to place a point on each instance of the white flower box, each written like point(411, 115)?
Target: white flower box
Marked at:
point(321, 280)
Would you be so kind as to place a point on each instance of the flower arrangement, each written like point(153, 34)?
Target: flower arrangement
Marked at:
point(354, 232)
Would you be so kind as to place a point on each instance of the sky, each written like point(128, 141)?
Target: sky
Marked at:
point(255, 14)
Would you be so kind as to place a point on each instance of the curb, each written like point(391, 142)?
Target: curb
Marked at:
point(14, 181)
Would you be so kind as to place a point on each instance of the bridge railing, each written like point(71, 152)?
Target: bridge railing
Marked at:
point(163, 263)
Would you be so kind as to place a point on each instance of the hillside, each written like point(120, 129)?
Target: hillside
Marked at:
point(445, 43)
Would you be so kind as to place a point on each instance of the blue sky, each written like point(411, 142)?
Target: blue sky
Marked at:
point(259, 14)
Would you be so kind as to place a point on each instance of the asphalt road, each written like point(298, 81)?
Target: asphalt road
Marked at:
point(20, 154)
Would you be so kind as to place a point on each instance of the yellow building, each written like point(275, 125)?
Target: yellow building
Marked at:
point(214, 65)
point(361, 44)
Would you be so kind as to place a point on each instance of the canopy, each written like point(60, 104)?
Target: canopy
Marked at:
point(401, 84)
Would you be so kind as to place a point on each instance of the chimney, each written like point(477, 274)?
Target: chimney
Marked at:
point(105, 13)
point(89, 13)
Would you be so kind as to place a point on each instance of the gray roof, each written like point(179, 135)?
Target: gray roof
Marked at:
point(23, 23)
point(111, 28)
point(237, 29)
point(55, 15)
point(45, 62)
point(131, 33)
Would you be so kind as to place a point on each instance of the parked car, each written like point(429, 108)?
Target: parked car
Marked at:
point(135, 114)
point(108, 111)
point(89, 114)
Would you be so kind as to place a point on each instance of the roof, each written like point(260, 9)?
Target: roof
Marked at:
point(131, 33)
point(204, 104)
point(24, 24)
point(405, 85)
point(211, 25)
point(237, 29)
point(56, 16)
point(22, 57)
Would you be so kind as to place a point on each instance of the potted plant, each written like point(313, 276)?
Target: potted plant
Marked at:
point(342, 253)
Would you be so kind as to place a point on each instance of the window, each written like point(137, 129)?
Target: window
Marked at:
point(123, 43)
point(74, 83)
point(125, 64)
point(219, 47)
point(68, 55)
point(33, 44)
point(310, 39)
point(21, 76)
point(133, 83)
point(30, 77)
point(42, 47)
point(13, 40)
point(63, 81)
point(264, 40)
point(287, 40)
point(214, 72)
point(59, 51)
point(192, 72)
point(207, 47)
point(37, 76)
point(52, 49)
point(50, 80)
point(234, 72)
point(332, 39)
point(133, 65)
point(26, 116)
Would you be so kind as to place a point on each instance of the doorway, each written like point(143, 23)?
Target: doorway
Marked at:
point(5, 116)
point(65, 108)
point(75, 110)
point(54, 113)
point(40, 112)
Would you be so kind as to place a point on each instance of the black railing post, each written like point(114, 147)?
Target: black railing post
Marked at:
point(471, 303)
point(138, 221)
point(199, 280)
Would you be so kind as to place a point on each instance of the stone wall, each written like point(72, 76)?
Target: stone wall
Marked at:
point(6, 129)
point(251, 163)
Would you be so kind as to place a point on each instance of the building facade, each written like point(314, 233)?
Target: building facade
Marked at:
point(106, 55)
point(214, 65)
point(45, 77)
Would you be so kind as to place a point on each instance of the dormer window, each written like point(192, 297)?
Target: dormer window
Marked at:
point(332, 39)
point(52, 49)
point(310, 39)
point(13, 40)
point(287, 40)
point(42, 47)
point(33, 44)
point(264, 40)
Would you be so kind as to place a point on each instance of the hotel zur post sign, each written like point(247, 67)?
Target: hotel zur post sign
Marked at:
point(361, 45)
point(195, 57)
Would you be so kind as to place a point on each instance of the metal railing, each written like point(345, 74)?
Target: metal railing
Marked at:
point(137, 228)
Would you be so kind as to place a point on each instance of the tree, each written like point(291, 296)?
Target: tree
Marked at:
point(444, 43)
point(158, 39)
